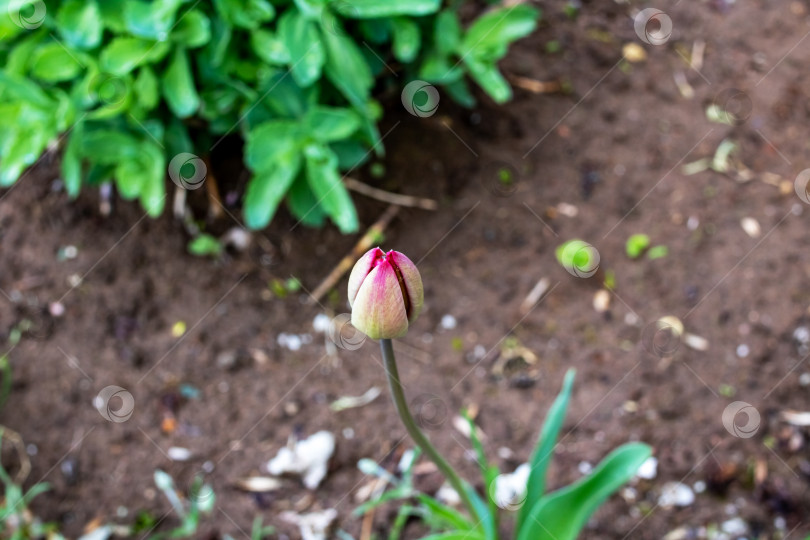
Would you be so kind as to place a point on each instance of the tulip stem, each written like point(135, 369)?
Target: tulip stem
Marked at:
point(416, 434)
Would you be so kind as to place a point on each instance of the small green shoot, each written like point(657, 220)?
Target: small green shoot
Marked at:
point(205, 245)
point(636, 245)
point(657, 252)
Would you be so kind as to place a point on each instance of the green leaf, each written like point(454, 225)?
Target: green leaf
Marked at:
point(489, 79)
point(72, 161)
point(146, 88)
point(347, 69)
point(488, 38)
point(636, 245)
point(303, 204)
point(22, 151)
point(351, 154)
point(326, 184)
point(447, 32)
point(266, 189)
point(108, 146)
point(301, 39)
point(22, 89)
point(205, 245)
point(269, 47)
point(283, 97)
point(270, 142)
point(444, 515)
point(79, 23)
point(372, 9)
point(407, 39)
point(178, 86)
point(150, 20)
point(248, 14)
point(123, 54)
point(454, 535)
point(192, 30)
point(327, 124)
point(53, 63)
point(562, 514)
point(459, 92)
point(488, 472)
point(544, 451)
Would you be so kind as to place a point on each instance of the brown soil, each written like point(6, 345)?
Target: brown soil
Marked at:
point(613, 148)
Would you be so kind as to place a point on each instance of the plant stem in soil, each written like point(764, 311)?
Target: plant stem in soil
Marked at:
point(416, 434)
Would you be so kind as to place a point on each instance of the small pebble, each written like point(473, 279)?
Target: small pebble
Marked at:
point(648, 469)
point(692, 223)
point(31, 449)
point(743, 350)
point(584, 468)
point(448, 322)
point(601, 301)
point(802, 335)
point(676, 494)
point(735, 526)
point(780, 523)
point(321, 323)
point(208, 466)
point(122, 511)
point(177, 453)
point(67, 253)
point(699, 486)
point(348, 433)
point(74, 280)
point(751, 227)
point(804, 379)
point(289, 341)
point(56, 309)
point(630, 319)
point(505, 453)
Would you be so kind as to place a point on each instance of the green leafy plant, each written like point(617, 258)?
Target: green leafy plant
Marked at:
point(130, 89)
point(386, 294)
point(17, 522)
point(200, 501)
point(538, 514)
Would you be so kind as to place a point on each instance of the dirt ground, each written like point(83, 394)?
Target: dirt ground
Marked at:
point(600, 163)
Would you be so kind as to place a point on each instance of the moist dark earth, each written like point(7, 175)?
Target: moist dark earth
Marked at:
point(600, 161)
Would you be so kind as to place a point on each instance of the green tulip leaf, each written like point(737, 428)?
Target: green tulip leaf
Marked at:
point(562, 514)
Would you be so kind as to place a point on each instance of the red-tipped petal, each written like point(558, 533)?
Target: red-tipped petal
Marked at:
point(412, 282)
point(361, 269)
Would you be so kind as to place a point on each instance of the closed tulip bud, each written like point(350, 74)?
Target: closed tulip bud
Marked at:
point(386, 294)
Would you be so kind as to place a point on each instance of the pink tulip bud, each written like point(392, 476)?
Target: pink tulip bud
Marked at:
point(386, 294)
